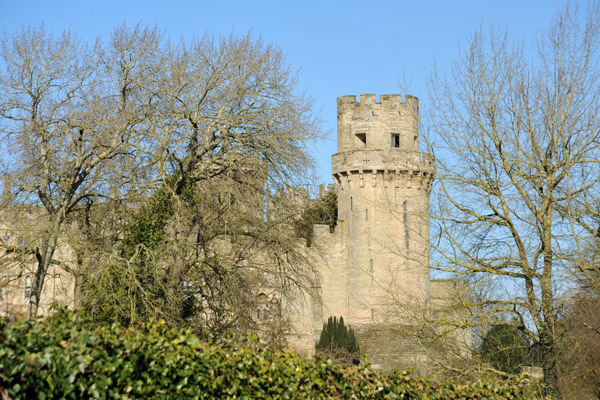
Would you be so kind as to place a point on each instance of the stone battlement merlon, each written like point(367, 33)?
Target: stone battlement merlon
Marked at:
point(387, 101)
point(323, 191)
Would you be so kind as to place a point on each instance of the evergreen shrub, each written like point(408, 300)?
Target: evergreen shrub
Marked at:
point(69, 358)
point(338, 342)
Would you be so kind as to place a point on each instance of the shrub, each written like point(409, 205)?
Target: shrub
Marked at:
point(320, 211)
point(338, 342)
point(506, 348)
point(69, 358)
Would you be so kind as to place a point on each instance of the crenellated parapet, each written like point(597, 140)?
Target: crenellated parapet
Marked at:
point(291, 195)
point(369, 102)
point(323, 191)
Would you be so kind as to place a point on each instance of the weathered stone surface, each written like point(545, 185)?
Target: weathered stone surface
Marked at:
point(396, 346)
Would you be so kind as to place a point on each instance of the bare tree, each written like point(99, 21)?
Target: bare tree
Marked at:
point(516, 136)
point(62, 122)
point(225, 102)
point(87, 126)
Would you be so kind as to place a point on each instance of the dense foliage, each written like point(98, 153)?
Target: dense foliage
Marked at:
point(132, 287)
point(194, 254)
point(338, 341)
point(320, 211)
point(69, 358)
point(507, 349)
point(579, 350)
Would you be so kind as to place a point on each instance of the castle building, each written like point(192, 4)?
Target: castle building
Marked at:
point(374, 267)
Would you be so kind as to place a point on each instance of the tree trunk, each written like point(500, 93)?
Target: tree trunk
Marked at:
point(44, 258)
point(548, 359)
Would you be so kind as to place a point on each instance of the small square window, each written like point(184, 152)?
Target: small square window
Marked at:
point(361, 139)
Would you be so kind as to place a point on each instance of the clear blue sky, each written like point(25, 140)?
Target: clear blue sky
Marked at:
point(340, 47)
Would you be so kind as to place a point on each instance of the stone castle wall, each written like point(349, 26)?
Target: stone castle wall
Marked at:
point(20, 228)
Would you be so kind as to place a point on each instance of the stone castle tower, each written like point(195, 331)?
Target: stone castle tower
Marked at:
point(374, 267)
point(381, 244)
point(383, 186)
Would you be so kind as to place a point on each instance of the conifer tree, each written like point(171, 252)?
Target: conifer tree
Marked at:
point(338, 342)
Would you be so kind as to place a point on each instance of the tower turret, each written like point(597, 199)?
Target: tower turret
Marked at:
point(383, 184)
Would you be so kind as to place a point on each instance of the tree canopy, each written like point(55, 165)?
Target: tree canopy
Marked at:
point(112, 122)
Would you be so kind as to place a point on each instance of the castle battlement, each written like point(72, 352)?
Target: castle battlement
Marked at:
point(323, 191)
point(292, 195)
point(369, 101)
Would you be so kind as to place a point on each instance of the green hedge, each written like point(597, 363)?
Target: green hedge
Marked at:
point(66, 357)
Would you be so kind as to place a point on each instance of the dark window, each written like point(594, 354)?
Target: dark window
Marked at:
point(361, 139)
point(395, 140)
point(367, 214)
